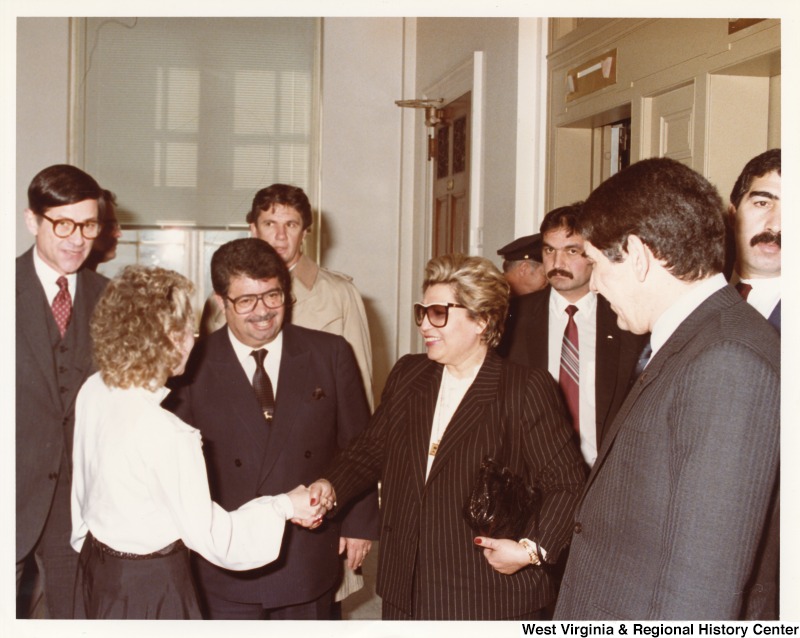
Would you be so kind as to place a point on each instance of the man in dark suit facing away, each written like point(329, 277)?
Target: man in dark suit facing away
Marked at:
point(54, 300)
point(676, 504)
point(603, 356)
point(268, 420)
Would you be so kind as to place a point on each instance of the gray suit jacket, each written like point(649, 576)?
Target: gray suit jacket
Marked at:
point(46, 406)
point(675, 506)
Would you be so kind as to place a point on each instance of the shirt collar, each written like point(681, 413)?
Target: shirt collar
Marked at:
point(243, 351)
point(585, 304)
point(685, 305)
point(48, 276)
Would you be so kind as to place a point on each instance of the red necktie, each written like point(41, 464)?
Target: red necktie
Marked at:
point(744, 289)
point(62, 305)
point(262, 385)
point(569, 375)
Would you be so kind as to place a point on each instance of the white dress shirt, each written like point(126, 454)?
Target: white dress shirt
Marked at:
point(48, 276)
point(674, 316)
point(272, 362)
point(765, 294)
point(139, 483)
point(586, 321)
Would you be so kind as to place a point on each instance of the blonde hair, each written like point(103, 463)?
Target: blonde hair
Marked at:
point(133, 326)
point(478, 285)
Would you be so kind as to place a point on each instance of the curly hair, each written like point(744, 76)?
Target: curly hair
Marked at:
point(478, 285)
point(133, 326)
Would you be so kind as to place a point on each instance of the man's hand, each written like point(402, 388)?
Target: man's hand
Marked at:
point(504, 555)
point(357, 550)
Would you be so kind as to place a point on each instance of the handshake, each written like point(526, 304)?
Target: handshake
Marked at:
point(312, 503)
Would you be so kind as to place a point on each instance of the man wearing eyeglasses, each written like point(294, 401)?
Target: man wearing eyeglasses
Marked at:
point(54, 300)
point(274, 402)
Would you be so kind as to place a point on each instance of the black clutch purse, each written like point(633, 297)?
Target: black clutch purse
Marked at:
point(501, 504)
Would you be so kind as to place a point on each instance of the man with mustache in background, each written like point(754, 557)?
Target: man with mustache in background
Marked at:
point(755, 215)
point(755, 211)
point(594, 366)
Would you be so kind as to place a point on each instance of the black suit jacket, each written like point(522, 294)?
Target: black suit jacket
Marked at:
point(428, 564)
point(320, 406)
point(45, 408)
point(525, 341)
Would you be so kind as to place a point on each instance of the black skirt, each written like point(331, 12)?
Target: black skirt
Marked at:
point(113, 585)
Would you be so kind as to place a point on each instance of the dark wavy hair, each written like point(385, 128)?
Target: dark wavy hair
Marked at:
point(285, 195)
point(673, 209)
point(62, 185)
point(563, 217)
point(249, 257)
point(760, 165)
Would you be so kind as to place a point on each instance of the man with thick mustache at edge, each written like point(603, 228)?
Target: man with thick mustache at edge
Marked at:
point(755, 215)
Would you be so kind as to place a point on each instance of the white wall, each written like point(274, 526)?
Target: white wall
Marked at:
point(362, 72)
point(442, 45)
point(42, 105)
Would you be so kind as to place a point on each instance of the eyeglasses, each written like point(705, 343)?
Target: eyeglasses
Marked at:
point(437, 313)
point(247, 303)
point(63, 228)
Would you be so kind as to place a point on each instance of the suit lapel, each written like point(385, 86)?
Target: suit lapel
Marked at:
point(32, 313)
point(607, 348)
point(424, 390)
point(539, 343)
point(685, 332)
point(471, 412)
point(293, 375)
point(240, 398)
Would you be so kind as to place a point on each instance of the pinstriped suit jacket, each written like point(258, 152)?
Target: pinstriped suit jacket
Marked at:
point(676, 503)
point(428, 565)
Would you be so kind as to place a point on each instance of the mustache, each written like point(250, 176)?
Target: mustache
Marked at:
point(265, 317)
point(767, 237)
point(557, 271)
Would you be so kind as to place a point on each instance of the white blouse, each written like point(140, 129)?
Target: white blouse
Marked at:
point(139, 483)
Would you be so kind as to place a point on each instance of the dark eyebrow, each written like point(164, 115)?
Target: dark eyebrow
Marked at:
point(766, 194)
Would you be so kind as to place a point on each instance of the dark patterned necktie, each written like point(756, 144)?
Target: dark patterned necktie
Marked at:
point(262, 385)
point(744, 289)
point(644, 357)
point(62, 305)
point(569, 377)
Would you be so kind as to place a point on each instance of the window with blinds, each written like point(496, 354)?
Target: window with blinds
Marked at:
point(186, 118)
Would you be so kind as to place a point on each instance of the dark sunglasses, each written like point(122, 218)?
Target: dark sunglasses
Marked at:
point(437, 313)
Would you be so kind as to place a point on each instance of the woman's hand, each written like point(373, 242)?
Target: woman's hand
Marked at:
point(306, 513)
point(504, 555)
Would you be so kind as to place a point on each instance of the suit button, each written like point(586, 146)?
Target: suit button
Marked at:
point(61, 369)
point(63, 390)
point(237, 462)
point(307, 454)
point(62, 349)
point(578, 528)
point(52, 476)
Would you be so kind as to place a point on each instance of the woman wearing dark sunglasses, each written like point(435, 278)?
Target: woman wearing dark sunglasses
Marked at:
point(439, 416)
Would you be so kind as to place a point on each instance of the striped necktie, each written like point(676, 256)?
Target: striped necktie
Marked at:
point(569, 374)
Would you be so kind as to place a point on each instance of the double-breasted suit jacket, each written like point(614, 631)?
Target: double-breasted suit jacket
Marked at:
point(49, 372)
point(676, 504)
point(320, 406)
point(526, 340)
point(429, 567)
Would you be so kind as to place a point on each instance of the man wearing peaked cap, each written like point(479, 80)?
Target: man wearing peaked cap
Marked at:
point(522, 264)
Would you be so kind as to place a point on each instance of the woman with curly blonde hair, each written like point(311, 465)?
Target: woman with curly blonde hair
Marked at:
point(140, 493)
